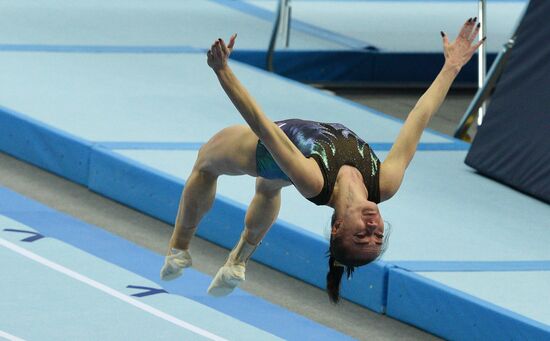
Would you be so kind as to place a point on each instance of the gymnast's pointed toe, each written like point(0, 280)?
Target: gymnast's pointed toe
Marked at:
point(227, 279)
point(174, 263)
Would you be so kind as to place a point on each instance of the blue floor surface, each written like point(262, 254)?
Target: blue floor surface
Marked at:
point(94, 285)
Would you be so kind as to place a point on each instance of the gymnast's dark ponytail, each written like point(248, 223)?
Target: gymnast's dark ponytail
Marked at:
point(336, 268)
point(335, 272)
point(334, 277)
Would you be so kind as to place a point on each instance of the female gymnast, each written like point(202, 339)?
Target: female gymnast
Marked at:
point(326, 162)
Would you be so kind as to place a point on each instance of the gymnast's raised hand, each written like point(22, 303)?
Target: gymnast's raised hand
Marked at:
point(219, 53)
point(460, 51)
point(326, 162)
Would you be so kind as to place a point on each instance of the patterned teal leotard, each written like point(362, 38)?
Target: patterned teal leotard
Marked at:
point(331, 145)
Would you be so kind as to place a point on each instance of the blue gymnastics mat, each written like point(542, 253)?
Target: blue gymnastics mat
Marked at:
point(108, 288)
point(351, 42)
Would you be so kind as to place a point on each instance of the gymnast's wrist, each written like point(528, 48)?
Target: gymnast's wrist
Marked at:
point(221, 69)
point(454, 69)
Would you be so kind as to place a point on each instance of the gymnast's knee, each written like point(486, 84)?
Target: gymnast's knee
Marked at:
point(204, 167)
point(268, 189)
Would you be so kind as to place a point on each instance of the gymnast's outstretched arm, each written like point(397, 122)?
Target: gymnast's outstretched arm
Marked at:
point(303, 172)
point(457, 54)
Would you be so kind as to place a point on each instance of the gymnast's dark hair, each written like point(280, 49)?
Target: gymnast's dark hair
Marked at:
point(337, 268)
point(334, 277)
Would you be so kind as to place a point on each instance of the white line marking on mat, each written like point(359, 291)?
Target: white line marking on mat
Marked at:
point(9, 336)
point(110, 291)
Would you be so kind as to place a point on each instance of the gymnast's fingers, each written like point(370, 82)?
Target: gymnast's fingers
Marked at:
point(232, 42)
point(445, 39)
point(475, 32)
point(224, 48)
point(466, 29)
point(217, 50)
point(476, 46)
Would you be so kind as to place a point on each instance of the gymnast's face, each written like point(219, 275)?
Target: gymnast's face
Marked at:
point(361, 230)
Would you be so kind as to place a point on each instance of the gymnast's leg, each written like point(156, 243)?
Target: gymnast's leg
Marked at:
point(231, 152)
point(196, 199)
point(260, 216)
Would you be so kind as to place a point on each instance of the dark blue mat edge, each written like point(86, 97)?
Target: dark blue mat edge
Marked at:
point(453, 314)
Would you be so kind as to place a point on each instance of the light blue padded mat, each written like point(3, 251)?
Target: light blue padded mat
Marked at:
point(472, 314)
point(318, 25)
point(162, 98)
point(85, 308)
point(109, 288)
point(137, 23)
point(524, 292)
